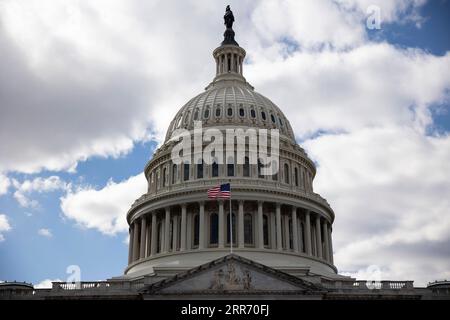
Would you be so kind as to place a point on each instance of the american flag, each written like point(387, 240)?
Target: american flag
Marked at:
point(220, 192)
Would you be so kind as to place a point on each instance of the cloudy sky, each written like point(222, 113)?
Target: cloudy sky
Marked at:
point(88, 88)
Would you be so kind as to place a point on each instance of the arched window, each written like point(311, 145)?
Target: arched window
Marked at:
point(164, 177)
point(186, 172)
point(286, 173)
point(273, 118)
point(196, 114)
point(275, 175)
point(186, 117)
point(263, 115)
point(157, 180)
point(233, 222)
point(260, 169)
point(246, 167)
point(290, 244)
point(253, 113)
point(296, 176)
point(214, 228)
point(206, 113)
point(159, 238)
point(229, 112)
point(302, 237)
point(215, 169)
point(266, 230)
point(241, 112)
point(171, 229)
point(174, 173)
point(248, 229)
point(200, 170)
point(230, 167)
point(196, 230)
point(218, 112)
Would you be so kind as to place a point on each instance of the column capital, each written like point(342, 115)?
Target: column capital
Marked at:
point(240, 202)
point(278, 205)
point(183, 205)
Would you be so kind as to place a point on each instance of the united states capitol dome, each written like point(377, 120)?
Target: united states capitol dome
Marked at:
point(276, 220)
point(230, 101)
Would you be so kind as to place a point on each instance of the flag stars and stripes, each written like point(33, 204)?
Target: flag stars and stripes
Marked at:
point(220, 192)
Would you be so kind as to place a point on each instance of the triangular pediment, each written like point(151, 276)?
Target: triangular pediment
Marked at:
point(232, 274)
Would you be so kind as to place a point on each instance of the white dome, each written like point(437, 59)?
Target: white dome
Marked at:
point(231, 103)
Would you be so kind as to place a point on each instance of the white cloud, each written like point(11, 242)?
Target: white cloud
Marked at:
point(45, 233)
point(92, 83)
point(104, 209)
point(372, 85)
point(389, 188)
point(4, 226)
point(46, 284)
point(4, 184)
point(37, 185)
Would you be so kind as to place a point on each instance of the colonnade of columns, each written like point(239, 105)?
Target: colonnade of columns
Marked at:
point(229, 62)
point(261, 225)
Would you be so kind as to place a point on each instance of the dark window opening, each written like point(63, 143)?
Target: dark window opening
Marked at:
point(248, 229)
point(214, 228)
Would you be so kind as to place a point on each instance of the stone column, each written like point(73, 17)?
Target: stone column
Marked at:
point(294, 229)
point(278, 224)
point(318, 238)
point(260, 226)
point(143, 234)
point(330, 244)
point(154, 243)
point(130, 243)
point(232, 62)
point(286, 232)
point(183, 227)
point(175, 234)
point(221, 225)
point(167, 231)
point(226, 63)
point(217, 66)
point(326, 254)
point(149, 237)
point(201, 238)
point(308, 233)
point(242, 65)
point(135, 241)
point(241, 224)
point(189, 231)
point(273, 237)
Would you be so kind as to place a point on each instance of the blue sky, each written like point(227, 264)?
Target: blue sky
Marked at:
point(95, 114)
